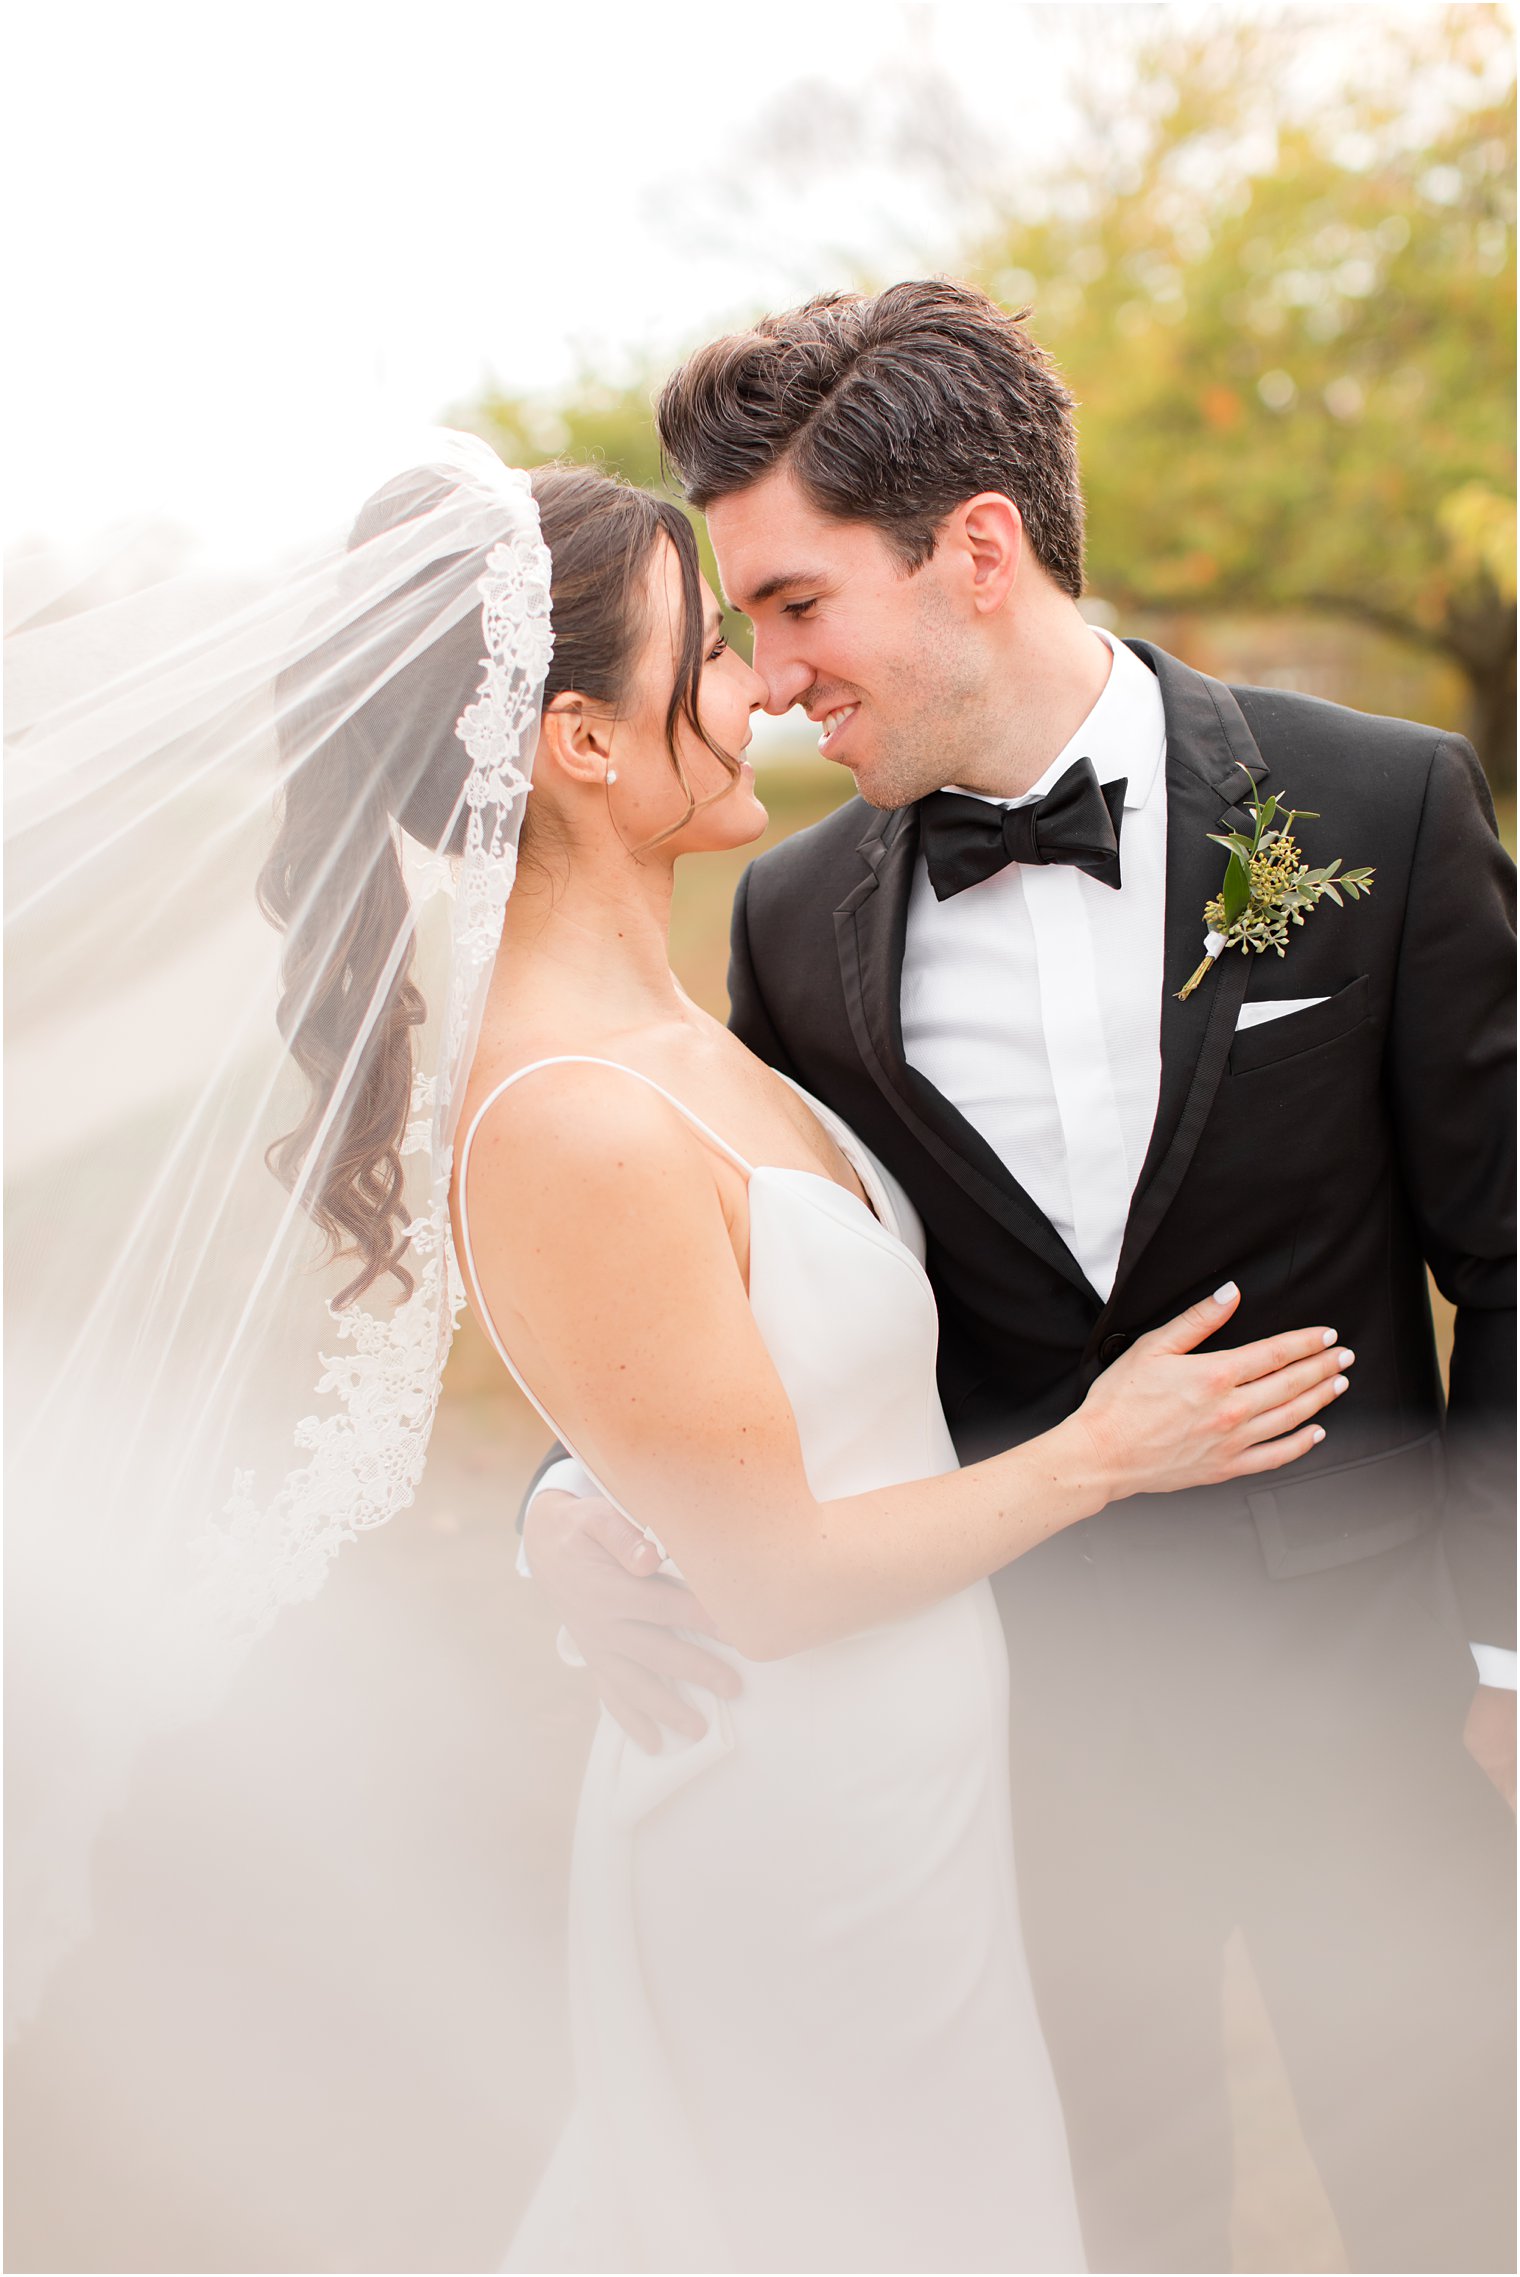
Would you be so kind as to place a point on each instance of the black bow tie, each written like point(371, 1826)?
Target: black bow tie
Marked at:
point(1077, 821)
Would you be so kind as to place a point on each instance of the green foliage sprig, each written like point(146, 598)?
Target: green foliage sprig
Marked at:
point(1268, 886)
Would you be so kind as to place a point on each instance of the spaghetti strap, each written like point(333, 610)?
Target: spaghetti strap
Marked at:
point(562, 1059)
point(588, 1059)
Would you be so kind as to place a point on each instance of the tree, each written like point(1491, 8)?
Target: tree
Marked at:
point(599, 423)
point(593, 420)
point(1291, 335)
point(1278, 272)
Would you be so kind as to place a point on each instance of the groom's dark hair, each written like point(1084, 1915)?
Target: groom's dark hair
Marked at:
point(889, 410)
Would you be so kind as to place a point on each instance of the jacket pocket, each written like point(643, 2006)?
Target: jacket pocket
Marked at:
point(1273, 1040)
point(1353, 1511)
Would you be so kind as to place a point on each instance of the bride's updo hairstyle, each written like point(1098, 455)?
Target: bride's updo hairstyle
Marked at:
point(365, 766)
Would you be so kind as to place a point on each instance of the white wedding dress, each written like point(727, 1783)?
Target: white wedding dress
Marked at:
point(803, 2027)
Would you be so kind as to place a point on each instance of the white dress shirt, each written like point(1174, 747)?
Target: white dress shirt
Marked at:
point(1032, 1001)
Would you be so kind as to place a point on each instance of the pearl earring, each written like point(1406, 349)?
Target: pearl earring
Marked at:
point(612, 774)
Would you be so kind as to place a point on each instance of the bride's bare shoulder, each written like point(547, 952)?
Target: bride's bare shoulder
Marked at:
point(578, 1126)
point(587, 1194)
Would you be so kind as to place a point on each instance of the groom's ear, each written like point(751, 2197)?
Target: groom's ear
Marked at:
point(988, 534)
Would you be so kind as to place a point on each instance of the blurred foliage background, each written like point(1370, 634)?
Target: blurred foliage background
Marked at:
point(1277, 268)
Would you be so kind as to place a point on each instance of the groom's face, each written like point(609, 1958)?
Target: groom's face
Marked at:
point(884, 659)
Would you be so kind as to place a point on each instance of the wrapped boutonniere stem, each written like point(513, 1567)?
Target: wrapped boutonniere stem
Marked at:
point(1268, 886)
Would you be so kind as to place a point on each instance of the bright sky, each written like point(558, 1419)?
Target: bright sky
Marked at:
point(242, 235)
point(249, 242)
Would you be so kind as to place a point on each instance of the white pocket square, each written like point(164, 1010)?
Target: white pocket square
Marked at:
point(1253, 1015)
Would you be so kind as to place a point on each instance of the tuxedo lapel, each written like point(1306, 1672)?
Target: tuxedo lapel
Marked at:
point(871, 927)
point(1212, 765)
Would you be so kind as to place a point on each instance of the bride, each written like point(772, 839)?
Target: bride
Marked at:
point(804, 2031)
point(804, 2034)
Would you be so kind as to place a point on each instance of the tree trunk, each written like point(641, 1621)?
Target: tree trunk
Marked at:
point(1491, 721)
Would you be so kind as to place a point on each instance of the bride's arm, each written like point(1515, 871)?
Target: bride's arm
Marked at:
point(612, 1278)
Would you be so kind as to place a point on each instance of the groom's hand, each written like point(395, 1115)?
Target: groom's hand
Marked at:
point(1490, 1737)
point(623, 1614)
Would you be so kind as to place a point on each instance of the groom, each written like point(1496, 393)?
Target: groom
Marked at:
point(1251, 1707)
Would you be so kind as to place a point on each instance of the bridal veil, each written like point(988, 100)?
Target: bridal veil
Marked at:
point(261, 826)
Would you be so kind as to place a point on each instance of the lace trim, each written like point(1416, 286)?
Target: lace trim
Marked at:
point(366, 1456)
point(519, 645)
point(366, 1459)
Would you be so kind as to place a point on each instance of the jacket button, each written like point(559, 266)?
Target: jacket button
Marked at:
point(1112, 1346)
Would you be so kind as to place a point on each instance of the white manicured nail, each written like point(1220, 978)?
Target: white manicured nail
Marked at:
point(1341, 1384)
point(1328, 1338)
point(1227, 1294)
point(1318, 1434)
point(1344, 1359)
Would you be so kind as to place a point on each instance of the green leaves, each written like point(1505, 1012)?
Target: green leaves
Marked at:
point(1332, 882)
point(1294, 343)
point(1236, 891)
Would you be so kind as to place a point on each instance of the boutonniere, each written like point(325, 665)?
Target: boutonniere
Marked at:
point(1268, 887)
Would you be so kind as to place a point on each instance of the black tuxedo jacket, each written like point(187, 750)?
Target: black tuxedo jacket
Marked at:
point(1321, 1159)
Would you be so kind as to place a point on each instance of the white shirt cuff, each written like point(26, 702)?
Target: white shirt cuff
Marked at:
point(1496, 1666)
point(564, 1477)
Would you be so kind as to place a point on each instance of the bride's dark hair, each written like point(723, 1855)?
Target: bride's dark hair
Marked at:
point(333, 881)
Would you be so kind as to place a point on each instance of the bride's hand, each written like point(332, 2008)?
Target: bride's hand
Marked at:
point(1165, 1416)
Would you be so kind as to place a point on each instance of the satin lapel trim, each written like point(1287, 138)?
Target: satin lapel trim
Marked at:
point(871, 929)
point(1212, 763)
